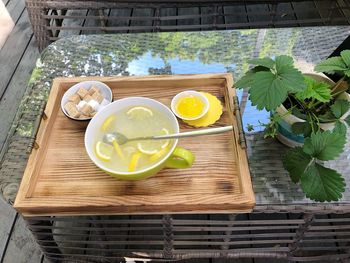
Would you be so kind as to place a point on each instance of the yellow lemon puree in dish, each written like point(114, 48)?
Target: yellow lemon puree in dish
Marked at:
point(190, 106)
point(213, 115)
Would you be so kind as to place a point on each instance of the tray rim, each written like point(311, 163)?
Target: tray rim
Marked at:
point(25, 204)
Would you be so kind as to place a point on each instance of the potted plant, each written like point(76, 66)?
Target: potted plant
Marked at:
point(309, 112)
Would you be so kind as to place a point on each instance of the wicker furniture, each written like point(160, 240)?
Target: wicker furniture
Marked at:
point(54, 19)
point(300, 230)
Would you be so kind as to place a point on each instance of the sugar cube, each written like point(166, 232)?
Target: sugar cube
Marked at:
point(87, 97)
point(86, 110)
point(94, 104)
point(93, 89)
point(81, 104)
point(98, 97)
point(82, 92)
point(74, 98)
point(72, 110)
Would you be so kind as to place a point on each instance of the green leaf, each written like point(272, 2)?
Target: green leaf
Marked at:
point(327, 117)
point(283, 61)
point(297, 112)
point(291, 78)
point(347, 72)
point(331, 65)
point(247, 79)
point(324, 145)
point(340, 128)
point(345, 55)
point(265, 62)
point(250, 127)
point(267, 91)
point(296, 162)
point(318, 90)
point(340, 107)
point(322, 184)
point(302, 128)
point(347, 120)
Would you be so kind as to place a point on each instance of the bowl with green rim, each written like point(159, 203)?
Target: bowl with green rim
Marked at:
point(177, 157)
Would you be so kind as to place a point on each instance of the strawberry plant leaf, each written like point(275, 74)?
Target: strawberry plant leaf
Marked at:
point(340, 107)
point(345, 55)
point(331, 65)
point(265, 62)
point(327, 117)
point(340, 128)
point(291, 78)
point(347, 72)
point(322, 184)
point(347, 120)
point(302, 128)
point(324, 145)
point(247, 79)
point(296, 162)
point(318, 90)
point(267, 91)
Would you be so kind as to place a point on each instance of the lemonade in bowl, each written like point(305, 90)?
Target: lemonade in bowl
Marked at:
point(135, 160)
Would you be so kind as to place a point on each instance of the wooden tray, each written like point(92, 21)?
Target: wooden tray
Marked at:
point(60, 179)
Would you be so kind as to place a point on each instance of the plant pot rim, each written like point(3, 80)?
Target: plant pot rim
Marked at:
point(291, 118)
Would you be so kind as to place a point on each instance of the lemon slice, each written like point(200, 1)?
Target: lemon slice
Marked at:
point(134, 161)
point(139, 112)
point(153, 146)
point(147, 148)
point(167, 141)
point(108, 123)
point(104, 151)
point(159, 154)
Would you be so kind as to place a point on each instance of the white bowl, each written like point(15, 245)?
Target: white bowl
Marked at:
point(97, 121)
point(187, 93)
point(103, 88)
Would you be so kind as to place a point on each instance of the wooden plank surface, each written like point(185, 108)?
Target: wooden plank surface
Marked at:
point(184, 11)
point(7, 217)
point(120, 12)
point(219, 178)
point(12, 51)
point(142, 12)
point(305, 10)
point(15, 90)
point(22, 247)
point(15, 9)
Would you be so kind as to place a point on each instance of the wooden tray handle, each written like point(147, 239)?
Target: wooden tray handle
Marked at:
point(237, 112)
point(41, 116)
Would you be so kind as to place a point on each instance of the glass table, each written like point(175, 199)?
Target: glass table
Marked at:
point(191, 53)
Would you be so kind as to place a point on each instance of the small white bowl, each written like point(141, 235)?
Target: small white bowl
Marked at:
point(187, 93)
point(103, 88)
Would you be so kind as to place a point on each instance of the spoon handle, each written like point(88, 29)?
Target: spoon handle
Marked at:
point(194, 133)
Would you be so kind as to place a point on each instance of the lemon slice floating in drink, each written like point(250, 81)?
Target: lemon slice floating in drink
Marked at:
point(154, 146)
point(134, 161)
point(104, 151)
point(139, 113)
point(108, 124)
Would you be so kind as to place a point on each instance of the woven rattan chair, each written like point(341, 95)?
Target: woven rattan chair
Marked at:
point(54, 19)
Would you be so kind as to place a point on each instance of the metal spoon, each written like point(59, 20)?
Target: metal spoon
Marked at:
point(122, 139)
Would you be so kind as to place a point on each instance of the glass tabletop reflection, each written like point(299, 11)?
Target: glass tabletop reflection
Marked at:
point(194, 53)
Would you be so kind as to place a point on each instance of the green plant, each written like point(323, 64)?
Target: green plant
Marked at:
point(271, 83)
